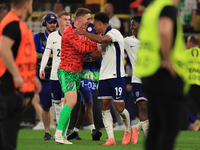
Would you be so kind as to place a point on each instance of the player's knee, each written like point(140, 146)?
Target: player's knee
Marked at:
point(104, 107)
point(82, 109)
point(46, 110)
point(89, 105)
point(119, 110)
point(120, 107)
point(32, 102)
point(35, 99)
point(142, 105)
point(71, 103)
point(105, 104)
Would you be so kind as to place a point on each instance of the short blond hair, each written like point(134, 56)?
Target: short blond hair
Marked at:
point(60, 14)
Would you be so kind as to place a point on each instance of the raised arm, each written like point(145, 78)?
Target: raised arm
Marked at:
point(81, 44)
point(93, 37)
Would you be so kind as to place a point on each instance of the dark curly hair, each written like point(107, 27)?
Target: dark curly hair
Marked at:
point(137, 18)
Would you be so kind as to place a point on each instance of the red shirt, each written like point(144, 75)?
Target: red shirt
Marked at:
point(73, 48)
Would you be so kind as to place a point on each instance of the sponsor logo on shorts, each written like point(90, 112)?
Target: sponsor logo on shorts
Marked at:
point(52, 95)
point(70, 84)
point(137, 94)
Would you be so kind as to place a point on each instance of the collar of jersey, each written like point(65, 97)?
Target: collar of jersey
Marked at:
point(59, 33)
point(73, 25)
point(108, 29)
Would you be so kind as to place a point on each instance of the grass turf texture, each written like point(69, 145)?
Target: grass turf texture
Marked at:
point(31, 140)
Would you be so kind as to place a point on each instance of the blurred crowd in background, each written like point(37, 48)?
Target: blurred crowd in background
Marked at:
point(189, 10)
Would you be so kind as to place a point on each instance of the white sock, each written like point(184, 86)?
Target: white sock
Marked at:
point(91, 127)
point(145, 126)
point(195, 122)
point(75, 129)
point(108, 123)
point(126, 120)
point(138, 126)
point(58, 108)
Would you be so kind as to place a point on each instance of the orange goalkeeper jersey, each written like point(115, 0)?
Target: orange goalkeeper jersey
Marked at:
point(73, 48)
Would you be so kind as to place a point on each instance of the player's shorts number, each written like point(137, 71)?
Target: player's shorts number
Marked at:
point(118, 91)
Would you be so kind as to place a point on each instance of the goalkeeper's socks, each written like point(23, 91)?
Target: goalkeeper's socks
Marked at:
point(64, 118)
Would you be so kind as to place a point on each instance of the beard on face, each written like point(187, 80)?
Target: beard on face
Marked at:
point(51, 29)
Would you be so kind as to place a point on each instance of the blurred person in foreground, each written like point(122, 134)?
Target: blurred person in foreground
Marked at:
point(162, 66)
point(17, 74)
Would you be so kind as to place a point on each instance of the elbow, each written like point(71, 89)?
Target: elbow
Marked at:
point(98, 39)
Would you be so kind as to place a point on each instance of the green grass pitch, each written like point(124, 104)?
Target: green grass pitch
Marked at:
point(31, 140)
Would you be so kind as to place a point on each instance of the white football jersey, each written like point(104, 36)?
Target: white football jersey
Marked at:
point(131, 45)
point(54, 45)
point(112, 65)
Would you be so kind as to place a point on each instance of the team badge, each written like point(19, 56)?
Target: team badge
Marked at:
point(52, 16)
point(70, 84)
point(89, 29)
point(137, 94)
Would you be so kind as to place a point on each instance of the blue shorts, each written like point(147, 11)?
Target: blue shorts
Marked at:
point(113, 88)
point(56, 91)
point(138, 92)
point(45, 95)
point(86, 96)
